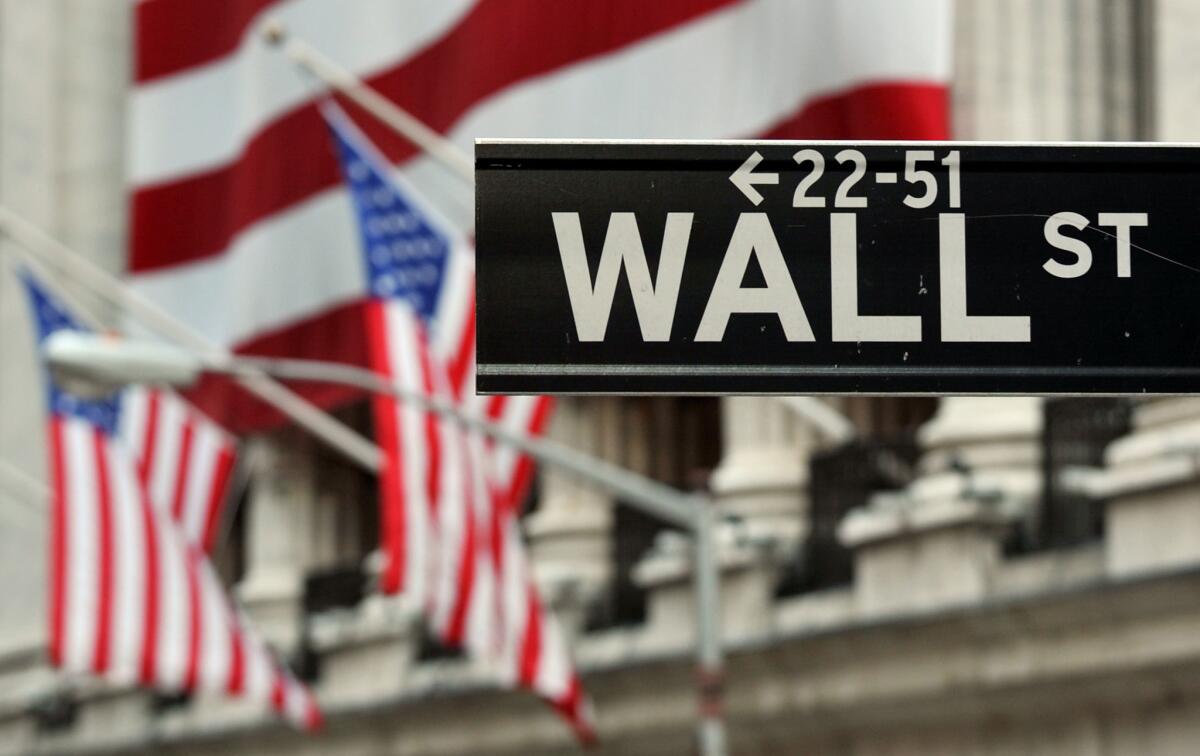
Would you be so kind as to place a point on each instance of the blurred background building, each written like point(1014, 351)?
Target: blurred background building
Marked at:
point(940, 584)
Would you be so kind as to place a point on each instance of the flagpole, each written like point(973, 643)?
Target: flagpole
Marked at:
point(62, 258)
point(369, 99)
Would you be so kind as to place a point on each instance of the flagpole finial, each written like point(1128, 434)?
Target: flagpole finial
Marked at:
point(274, 31)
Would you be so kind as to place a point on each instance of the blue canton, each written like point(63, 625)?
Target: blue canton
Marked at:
point(406, 256)
point(50, 316)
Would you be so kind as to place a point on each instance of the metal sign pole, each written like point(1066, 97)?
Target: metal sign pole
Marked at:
point(710, 668)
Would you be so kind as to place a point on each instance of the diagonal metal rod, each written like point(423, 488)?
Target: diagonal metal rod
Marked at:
point(66, 261)
point(389, 113)
point(657, 499)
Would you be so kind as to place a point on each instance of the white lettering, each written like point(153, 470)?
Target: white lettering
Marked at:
point(654, 302)
point(957, 325)
point(753, 235)
point(848, 325)
point(1123, 222)
point(1077, 247)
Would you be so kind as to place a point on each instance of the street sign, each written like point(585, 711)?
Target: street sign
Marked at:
point(828, 267)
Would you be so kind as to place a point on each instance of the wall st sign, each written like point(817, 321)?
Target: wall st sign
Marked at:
point(777, 267)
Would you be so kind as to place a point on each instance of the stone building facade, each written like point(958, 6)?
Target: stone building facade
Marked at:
point(969, 576)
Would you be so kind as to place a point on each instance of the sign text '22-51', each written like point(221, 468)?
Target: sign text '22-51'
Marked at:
point(832, 268)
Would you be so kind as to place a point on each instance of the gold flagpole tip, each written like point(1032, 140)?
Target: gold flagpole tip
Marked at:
point(274, 32)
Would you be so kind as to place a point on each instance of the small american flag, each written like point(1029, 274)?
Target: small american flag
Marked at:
point(449, 498)
point(133, 598)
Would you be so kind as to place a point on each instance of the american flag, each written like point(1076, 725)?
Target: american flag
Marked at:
point(233, 184)
point(133, 599)
point(449, 517)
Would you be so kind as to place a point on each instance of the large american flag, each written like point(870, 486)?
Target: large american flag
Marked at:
point(448, 497)
point(233, 184)
point(134, 598)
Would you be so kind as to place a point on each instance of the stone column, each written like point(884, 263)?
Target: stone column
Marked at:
point(762, 479)
point(279, 522)
point(1152, 519)
point(937, 542)
point(760, 487)
point(569, 534)
point(64, 69)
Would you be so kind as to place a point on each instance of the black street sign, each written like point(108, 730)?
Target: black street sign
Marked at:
point(825, 267)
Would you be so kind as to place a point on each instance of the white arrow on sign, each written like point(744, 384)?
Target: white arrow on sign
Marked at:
point(744, 178)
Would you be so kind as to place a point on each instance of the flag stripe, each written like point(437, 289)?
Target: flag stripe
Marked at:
point(164, 475)
point(215, 652)
point(129, 563)
point(405, 345)
point(219, 296)
point(869, 112)
point(392, 517)
point(433, 436)
point(199, 141)
point(202, 141)
point(149, 448)
point(58, 547)
point(214, 507)
point(266, 179)
point(104, 576)
point(521, 477)
point(460, 597)
point(462, 363)
point(82, 547)
point(182, 469)
point(200, 475)
point(176, 34)
point(195, 626)
point(149, 654)
point(532, 646)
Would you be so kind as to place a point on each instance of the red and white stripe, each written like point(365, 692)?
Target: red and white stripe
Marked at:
point(450, 524)
point(184, 459)
point(234, 183)
point(133, 600)
point(413, 445)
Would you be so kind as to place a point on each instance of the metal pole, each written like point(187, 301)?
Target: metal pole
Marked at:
point(392, 115)
point(710, 663)
point(648, 495)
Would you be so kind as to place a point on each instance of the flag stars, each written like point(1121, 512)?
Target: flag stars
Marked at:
point(102, 413)
point(357, 169)
point(382, 197)
point(406, 256)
